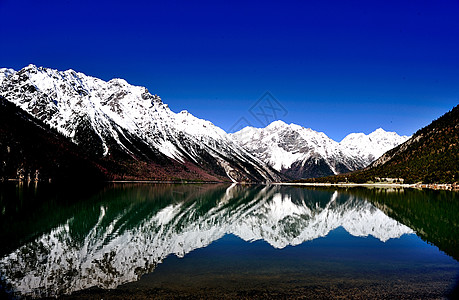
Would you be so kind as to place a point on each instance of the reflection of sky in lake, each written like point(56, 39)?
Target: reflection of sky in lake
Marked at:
point(401, 267)
point(242, 230)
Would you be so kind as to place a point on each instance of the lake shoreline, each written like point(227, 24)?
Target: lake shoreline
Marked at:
point(433, 186)
point(445, 186)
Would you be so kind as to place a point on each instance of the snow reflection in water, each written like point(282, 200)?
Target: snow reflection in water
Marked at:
point(129, 238)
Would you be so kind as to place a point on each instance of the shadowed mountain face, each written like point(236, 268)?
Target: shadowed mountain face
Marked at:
point(431, 155)
point(127, 230)
point(433, 215)
point(31, 149)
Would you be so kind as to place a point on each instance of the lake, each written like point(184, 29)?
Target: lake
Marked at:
point(227, 241)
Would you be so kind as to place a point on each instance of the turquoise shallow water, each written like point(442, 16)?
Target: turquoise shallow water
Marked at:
point(221, 241)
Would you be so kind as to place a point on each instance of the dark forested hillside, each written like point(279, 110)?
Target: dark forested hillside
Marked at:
point(430, 156)
point(30, 149)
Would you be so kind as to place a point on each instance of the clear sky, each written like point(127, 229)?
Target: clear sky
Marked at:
point(334, 66)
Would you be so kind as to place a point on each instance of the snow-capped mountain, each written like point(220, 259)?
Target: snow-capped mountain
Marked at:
point(119, 121)
point(370, 147)
point(302, 152)
point(109, 118)
point(115, 251)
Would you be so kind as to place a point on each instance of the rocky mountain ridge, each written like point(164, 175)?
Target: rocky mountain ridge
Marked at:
point(300, 152)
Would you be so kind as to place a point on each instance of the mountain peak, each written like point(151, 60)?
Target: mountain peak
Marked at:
point(277, 124)
point(379, 130)
point(119, 81)
point(30, 66)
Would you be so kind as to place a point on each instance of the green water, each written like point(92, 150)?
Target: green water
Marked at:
point(222, 241)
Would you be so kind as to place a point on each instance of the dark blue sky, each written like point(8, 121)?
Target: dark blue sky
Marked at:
point(335, 66)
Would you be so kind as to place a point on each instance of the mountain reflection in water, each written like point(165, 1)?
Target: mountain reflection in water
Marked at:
point(126, 230)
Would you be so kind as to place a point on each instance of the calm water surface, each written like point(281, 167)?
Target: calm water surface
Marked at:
point(227, 241)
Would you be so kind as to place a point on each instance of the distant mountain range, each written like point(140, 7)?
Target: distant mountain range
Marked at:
point(431, 155)
point(300, 152)
point(121, 131)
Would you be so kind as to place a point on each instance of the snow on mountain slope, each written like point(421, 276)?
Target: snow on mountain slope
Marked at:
point(4, 72)
point(372, 146)
point(110, 253)
point(302, 152)
point(116, 116)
